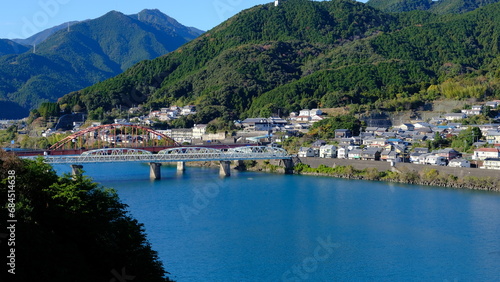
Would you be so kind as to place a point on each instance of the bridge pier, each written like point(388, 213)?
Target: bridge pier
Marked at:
point(155, 171)
point(225, 168)
point(288, 166)
point(76, 170)
point(181, 166)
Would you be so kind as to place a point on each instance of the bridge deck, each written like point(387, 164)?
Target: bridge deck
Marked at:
point(188, 154)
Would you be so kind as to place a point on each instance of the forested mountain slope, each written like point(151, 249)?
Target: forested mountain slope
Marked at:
point(89, 52)
point(306, 53)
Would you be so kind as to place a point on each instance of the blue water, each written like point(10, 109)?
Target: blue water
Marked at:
point(267, 227)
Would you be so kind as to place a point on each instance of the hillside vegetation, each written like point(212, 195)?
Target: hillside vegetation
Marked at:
point(438, 7)
point(305, 54)
point(91, 51)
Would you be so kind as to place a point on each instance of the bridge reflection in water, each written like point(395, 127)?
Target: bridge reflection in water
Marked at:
point(181, 155)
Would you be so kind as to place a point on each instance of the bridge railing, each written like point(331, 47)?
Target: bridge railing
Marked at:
point(186, 154)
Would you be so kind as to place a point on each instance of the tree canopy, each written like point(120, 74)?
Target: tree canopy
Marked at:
point(72, 229)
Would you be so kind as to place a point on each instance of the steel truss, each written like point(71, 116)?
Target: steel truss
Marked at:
point(178, 154)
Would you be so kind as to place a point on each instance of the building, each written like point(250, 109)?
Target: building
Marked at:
point(407, 127)
point(455, 116)
point(371, 154)
point(354, 154)
point(328, 151)
point(459, 163)
point(448, 153)
point(375, 142)
point(318, 143)
point(263, 124)
point(305, 152)
point(342, 153)
point(491, 163)
point(474, 111)
point(199, 130)
point(485, 153)
point(435, 160)
point(493, 137)
point(343, 133)
point(492, 104)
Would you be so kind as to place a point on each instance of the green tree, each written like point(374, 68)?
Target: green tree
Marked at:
point(326, 128)
point(72, 229)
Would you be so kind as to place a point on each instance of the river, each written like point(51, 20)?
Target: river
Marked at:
point(270, 227)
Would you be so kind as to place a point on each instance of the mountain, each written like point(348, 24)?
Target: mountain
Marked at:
point(44, 34)
point(438, 7)
point(304, 54)
point(8, 47)
point(91, 51)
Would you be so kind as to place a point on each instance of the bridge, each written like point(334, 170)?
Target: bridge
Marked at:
point(180, 155)
point(113, 143)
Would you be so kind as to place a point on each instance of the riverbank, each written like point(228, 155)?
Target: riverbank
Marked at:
point(459, 178)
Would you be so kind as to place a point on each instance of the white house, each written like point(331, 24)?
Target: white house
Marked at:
point(455, 116)
point(342, 153)
point(491, 163)
point(459, 163)
point(435, 160)
point(492, 104)
point(493, 137)
point(485, 153)
point(354, 154)
point(199, 130)
point(305, 152)
point(327, 151)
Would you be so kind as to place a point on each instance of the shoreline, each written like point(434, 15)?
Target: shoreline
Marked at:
point(404, 173)
point(482, 180)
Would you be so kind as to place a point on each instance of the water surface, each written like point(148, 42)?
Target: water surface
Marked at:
point(269, 227)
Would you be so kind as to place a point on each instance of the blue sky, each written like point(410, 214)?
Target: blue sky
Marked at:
point(21, 19)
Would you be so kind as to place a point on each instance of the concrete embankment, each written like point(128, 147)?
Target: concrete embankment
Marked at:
point(460, 178)
point(383, 166)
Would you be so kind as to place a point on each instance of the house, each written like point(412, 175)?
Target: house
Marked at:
point(328, 151)
point(343, 133)
point(342, 153)
point(305, 152)
point(474, 111)
point(485, 153)
point(421, 124)
point(371, 154)
point(354, 154)
point(435, 160)
point(407, 127)
point(305, 112)
point(375, 142)
point(455, 116)
point(390, 156)
point(263, 124)
point(492, 104)
point(188, 110)
point(448, 153)
point(380, 131)
point(493, 137)
point(421, 150)
point(318, 143)
point(437, 120)
point(371, 129)
point(199, 130)
point(491, 163)
point(396, 141)
point(459, 163)
point(316, 118)
point(302, 118)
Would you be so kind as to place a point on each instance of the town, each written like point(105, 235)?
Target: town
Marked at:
point(419, 142)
